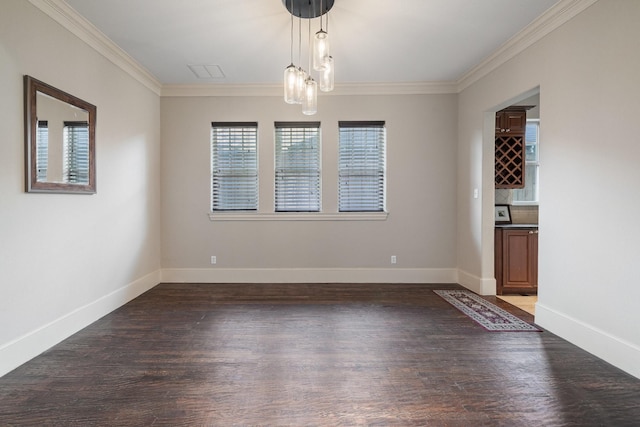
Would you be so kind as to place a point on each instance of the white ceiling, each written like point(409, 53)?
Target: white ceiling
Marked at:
point(373, 41)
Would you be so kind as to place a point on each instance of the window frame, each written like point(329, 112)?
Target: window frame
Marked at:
point(262, 214)
point(531, 163)
point(76, 151)
point(294, 173)
point(239, 169)
point(370, 166)
point(42, 149)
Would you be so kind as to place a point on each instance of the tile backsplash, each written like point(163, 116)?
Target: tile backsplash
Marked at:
point(504, 197)
point(519, 214)
point(524, 214)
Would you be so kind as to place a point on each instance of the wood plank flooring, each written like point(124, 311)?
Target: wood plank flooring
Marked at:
point(524, 302)
point(312, 355)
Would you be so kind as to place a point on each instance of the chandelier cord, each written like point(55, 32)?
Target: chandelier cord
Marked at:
point(326, 21)
point(291, 39)
point(299, 40)
point(310, 47)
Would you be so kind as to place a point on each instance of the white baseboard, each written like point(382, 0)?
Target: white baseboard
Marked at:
point(477, 284)
point(622, 354)
point(309, 275)
point(26, 347)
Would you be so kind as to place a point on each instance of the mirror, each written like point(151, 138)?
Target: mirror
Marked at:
point(59, 140)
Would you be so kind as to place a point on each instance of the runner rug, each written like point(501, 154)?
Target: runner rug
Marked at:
point(488, 315)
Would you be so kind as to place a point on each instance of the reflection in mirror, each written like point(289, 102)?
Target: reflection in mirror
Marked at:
point(60, 140)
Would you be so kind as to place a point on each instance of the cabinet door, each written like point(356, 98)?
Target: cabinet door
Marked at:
point(511, 122)
point(515, 121)
point(510, 147)
point(519, 261)
point(499, 122)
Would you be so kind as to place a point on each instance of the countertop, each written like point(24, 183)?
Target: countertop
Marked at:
point(516, 225)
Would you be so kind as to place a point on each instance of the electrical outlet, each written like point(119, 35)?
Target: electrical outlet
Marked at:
point(213, 259)
point(393, 259)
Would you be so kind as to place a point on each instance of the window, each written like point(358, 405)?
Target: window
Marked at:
point(42, 149)
point(529, 194)
point(234, 166)
point(297, 167)
point(362, 167)
point(76, 152)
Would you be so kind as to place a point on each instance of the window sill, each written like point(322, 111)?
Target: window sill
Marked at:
point(299, 216)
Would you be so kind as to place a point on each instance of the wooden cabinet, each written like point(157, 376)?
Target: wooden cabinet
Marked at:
point(510, 147)
point(516, 260)
point(511, 121)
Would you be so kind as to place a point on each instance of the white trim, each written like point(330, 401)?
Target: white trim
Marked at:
point(618, 352)
point(415, 88)
point(407, 88)
point(479, 285)
point(553, 18)
point(309, 275)
point(65, 15)
point(220, 89)
point(28, 346)
point(298, 216)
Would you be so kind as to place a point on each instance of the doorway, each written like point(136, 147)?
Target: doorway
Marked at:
point(516, 241)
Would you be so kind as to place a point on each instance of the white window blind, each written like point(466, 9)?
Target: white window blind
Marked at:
point(362, 167)
point(42, 149)
point(297, 167)
point(76, 152)
point(234, 166)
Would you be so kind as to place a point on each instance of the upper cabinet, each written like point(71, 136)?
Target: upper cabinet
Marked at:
point(511, 121)
point(510, 147)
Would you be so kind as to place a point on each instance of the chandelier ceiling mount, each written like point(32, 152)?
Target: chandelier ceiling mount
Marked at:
point(308, 9)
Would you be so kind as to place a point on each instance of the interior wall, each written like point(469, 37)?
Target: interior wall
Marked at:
point(421, 202)
point(66, 260)
point(587, 74)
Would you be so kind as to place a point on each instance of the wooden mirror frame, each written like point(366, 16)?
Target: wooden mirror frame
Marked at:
point(31, 88)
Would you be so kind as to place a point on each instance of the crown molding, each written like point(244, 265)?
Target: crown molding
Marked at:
point(409, 88)
point(220, 89)
point(553, 18)
point(66, 16)
point(417, 88)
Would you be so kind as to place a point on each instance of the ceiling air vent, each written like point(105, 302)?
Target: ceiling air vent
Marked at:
point(207, 71)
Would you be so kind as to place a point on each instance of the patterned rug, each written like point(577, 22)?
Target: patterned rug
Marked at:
point(488, 315)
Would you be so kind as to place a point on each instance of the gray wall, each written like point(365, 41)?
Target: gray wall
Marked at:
point(587, 74)
point(421, 202)
point(66, 260)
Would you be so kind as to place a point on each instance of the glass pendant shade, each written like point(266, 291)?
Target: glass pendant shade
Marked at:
point(298, 95)
point(326, 75)
point(299, 85)
point(320, 49)
point(310, 101)
point(290, 84)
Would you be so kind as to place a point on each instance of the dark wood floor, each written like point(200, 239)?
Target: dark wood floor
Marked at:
point(312, 355)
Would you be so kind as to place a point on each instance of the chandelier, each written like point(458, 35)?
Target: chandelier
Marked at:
point(299, 85)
